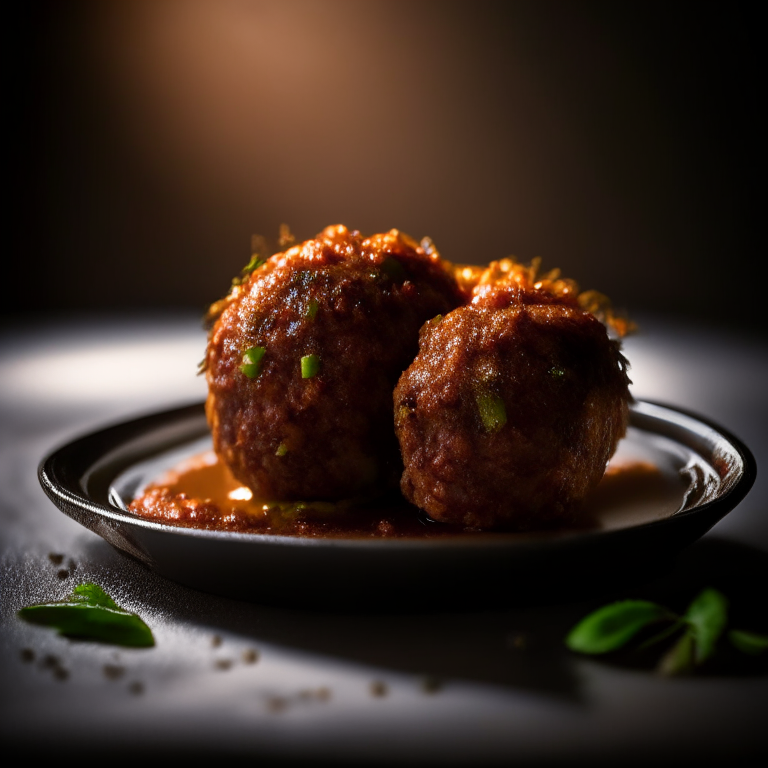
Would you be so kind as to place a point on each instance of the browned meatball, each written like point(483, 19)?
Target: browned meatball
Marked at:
point(508, 416)
point(303, 359)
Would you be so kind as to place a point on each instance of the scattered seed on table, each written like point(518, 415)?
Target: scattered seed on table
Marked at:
point(431, 684)
point(378, 688)
point(113, 671)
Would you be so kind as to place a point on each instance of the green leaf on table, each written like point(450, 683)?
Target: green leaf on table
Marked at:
point(707, 616)
point(92, 594)
point(91, 614)
point(613, 626)
point(748, 642)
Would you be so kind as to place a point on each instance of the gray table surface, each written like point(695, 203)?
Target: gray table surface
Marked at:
point(342, 686)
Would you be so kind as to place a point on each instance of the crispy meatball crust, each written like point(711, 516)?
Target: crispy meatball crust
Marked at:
point(356, 305)
point(507, 417)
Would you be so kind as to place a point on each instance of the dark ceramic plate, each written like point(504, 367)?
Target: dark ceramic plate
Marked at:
point(705, 472)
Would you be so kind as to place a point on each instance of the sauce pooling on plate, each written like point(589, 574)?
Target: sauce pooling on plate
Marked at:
point(200, 492)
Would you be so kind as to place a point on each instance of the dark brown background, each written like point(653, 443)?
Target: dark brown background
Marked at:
point(150, 139)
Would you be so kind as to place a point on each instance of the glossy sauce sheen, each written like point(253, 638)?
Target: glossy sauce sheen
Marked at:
point(201, 493)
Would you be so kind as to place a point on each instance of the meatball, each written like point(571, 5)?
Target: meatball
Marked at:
point(508, 415)
point(303, 358)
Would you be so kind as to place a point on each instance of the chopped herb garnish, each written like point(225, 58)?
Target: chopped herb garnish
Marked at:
point(253, 355)
point(311, 310)
point(556, 372)
point(282, 449)
point(493, 413)
point(91, 614)
point(251, 366)
point(310, 365)
point(256, 261)
point(250, 370)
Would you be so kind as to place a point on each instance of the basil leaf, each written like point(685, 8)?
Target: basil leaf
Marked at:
point(93, 594)
point(86, 621)
point(91, 614)
point(612, 626)
point(748, 642)
point(707, 616)
point(679, 660)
